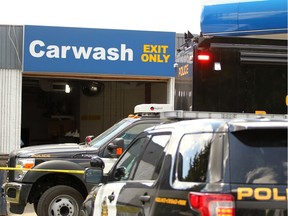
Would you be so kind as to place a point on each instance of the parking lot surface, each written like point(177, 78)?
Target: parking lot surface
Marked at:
point(29, 211)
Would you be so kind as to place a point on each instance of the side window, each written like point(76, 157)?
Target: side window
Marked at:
point(151, 161)
point(129, 159)
point(192, 157)
point(132, 132)
point(259, 156)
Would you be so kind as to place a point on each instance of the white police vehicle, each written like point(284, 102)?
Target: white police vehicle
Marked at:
point(207, 167)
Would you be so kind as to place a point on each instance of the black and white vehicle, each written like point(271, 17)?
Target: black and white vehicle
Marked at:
point(207, 167)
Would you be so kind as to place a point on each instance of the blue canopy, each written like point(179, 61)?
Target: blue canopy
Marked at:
point(245, 18)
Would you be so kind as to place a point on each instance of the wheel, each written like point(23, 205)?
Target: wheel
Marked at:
point(60, 200)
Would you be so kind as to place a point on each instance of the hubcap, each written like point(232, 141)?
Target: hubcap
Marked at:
point(63, 206)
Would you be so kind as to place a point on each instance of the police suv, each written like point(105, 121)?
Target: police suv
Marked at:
point(209, 167)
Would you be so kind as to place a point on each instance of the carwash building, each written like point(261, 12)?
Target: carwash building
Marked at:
point(60, 84)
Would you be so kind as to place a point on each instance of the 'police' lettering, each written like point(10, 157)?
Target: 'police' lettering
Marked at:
point(261, 194)
point(183, 70)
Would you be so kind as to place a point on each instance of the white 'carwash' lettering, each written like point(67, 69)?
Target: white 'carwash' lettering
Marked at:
point(38, 49)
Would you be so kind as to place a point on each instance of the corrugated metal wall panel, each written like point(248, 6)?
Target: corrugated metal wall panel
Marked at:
point(10, 115)
point(179, 40)
point(11, 43)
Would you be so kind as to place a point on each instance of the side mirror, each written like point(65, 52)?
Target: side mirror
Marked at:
point(93, 176)
point(97, 162)
point(88, 139)
point(116, 148)
point(120, 172)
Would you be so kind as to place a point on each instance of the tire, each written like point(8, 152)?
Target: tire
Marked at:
point(60, 200)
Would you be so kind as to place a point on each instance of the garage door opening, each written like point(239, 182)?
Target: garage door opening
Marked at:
point(67, 110)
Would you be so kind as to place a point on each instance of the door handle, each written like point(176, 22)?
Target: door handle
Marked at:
point(111, 197)
point(144, 198)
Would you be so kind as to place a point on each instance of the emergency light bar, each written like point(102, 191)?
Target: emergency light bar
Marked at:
point(180, 114)
point(152, 108)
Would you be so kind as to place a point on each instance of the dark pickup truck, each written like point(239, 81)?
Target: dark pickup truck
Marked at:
point(201, 167)
point(53, 178)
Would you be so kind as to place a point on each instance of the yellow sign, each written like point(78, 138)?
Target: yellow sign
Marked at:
point(155, 53)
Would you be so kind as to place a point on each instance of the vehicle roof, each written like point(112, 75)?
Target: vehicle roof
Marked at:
point(221, 125)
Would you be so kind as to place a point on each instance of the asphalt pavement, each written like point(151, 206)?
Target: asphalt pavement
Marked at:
point(29, 211)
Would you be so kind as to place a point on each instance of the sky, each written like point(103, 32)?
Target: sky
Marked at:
point(149, 15)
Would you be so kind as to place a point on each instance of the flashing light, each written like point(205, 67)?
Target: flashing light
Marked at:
point(203, 57)
point(217, 66)
point(260, 112)
point(152, 108)
point(133, 116)
point(67, 88)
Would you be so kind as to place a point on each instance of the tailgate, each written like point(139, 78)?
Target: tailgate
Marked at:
point(262, 200)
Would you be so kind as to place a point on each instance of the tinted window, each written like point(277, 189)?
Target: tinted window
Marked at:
point(259, 156)
point(192, 157)
point(129, 159)
point(150, 164)
point(110, 133)
point(132, 132)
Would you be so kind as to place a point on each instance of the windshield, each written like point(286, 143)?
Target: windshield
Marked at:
point(259, 156)
point(110, 133)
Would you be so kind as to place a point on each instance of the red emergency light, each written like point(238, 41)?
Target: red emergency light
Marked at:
point(203, 57)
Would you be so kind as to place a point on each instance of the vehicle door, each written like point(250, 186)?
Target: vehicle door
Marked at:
point(138, 194)
point(133, 192)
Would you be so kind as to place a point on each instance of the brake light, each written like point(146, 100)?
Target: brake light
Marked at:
point(209, 204)
point(203, 57)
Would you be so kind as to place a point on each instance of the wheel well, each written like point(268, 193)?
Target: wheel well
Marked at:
point(50, 180)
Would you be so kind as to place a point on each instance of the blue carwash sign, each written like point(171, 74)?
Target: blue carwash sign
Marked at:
point(98, 51)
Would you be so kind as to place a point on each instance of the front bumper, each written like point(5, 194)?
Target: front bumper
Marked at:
point(87, 208)
point(17, 192)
